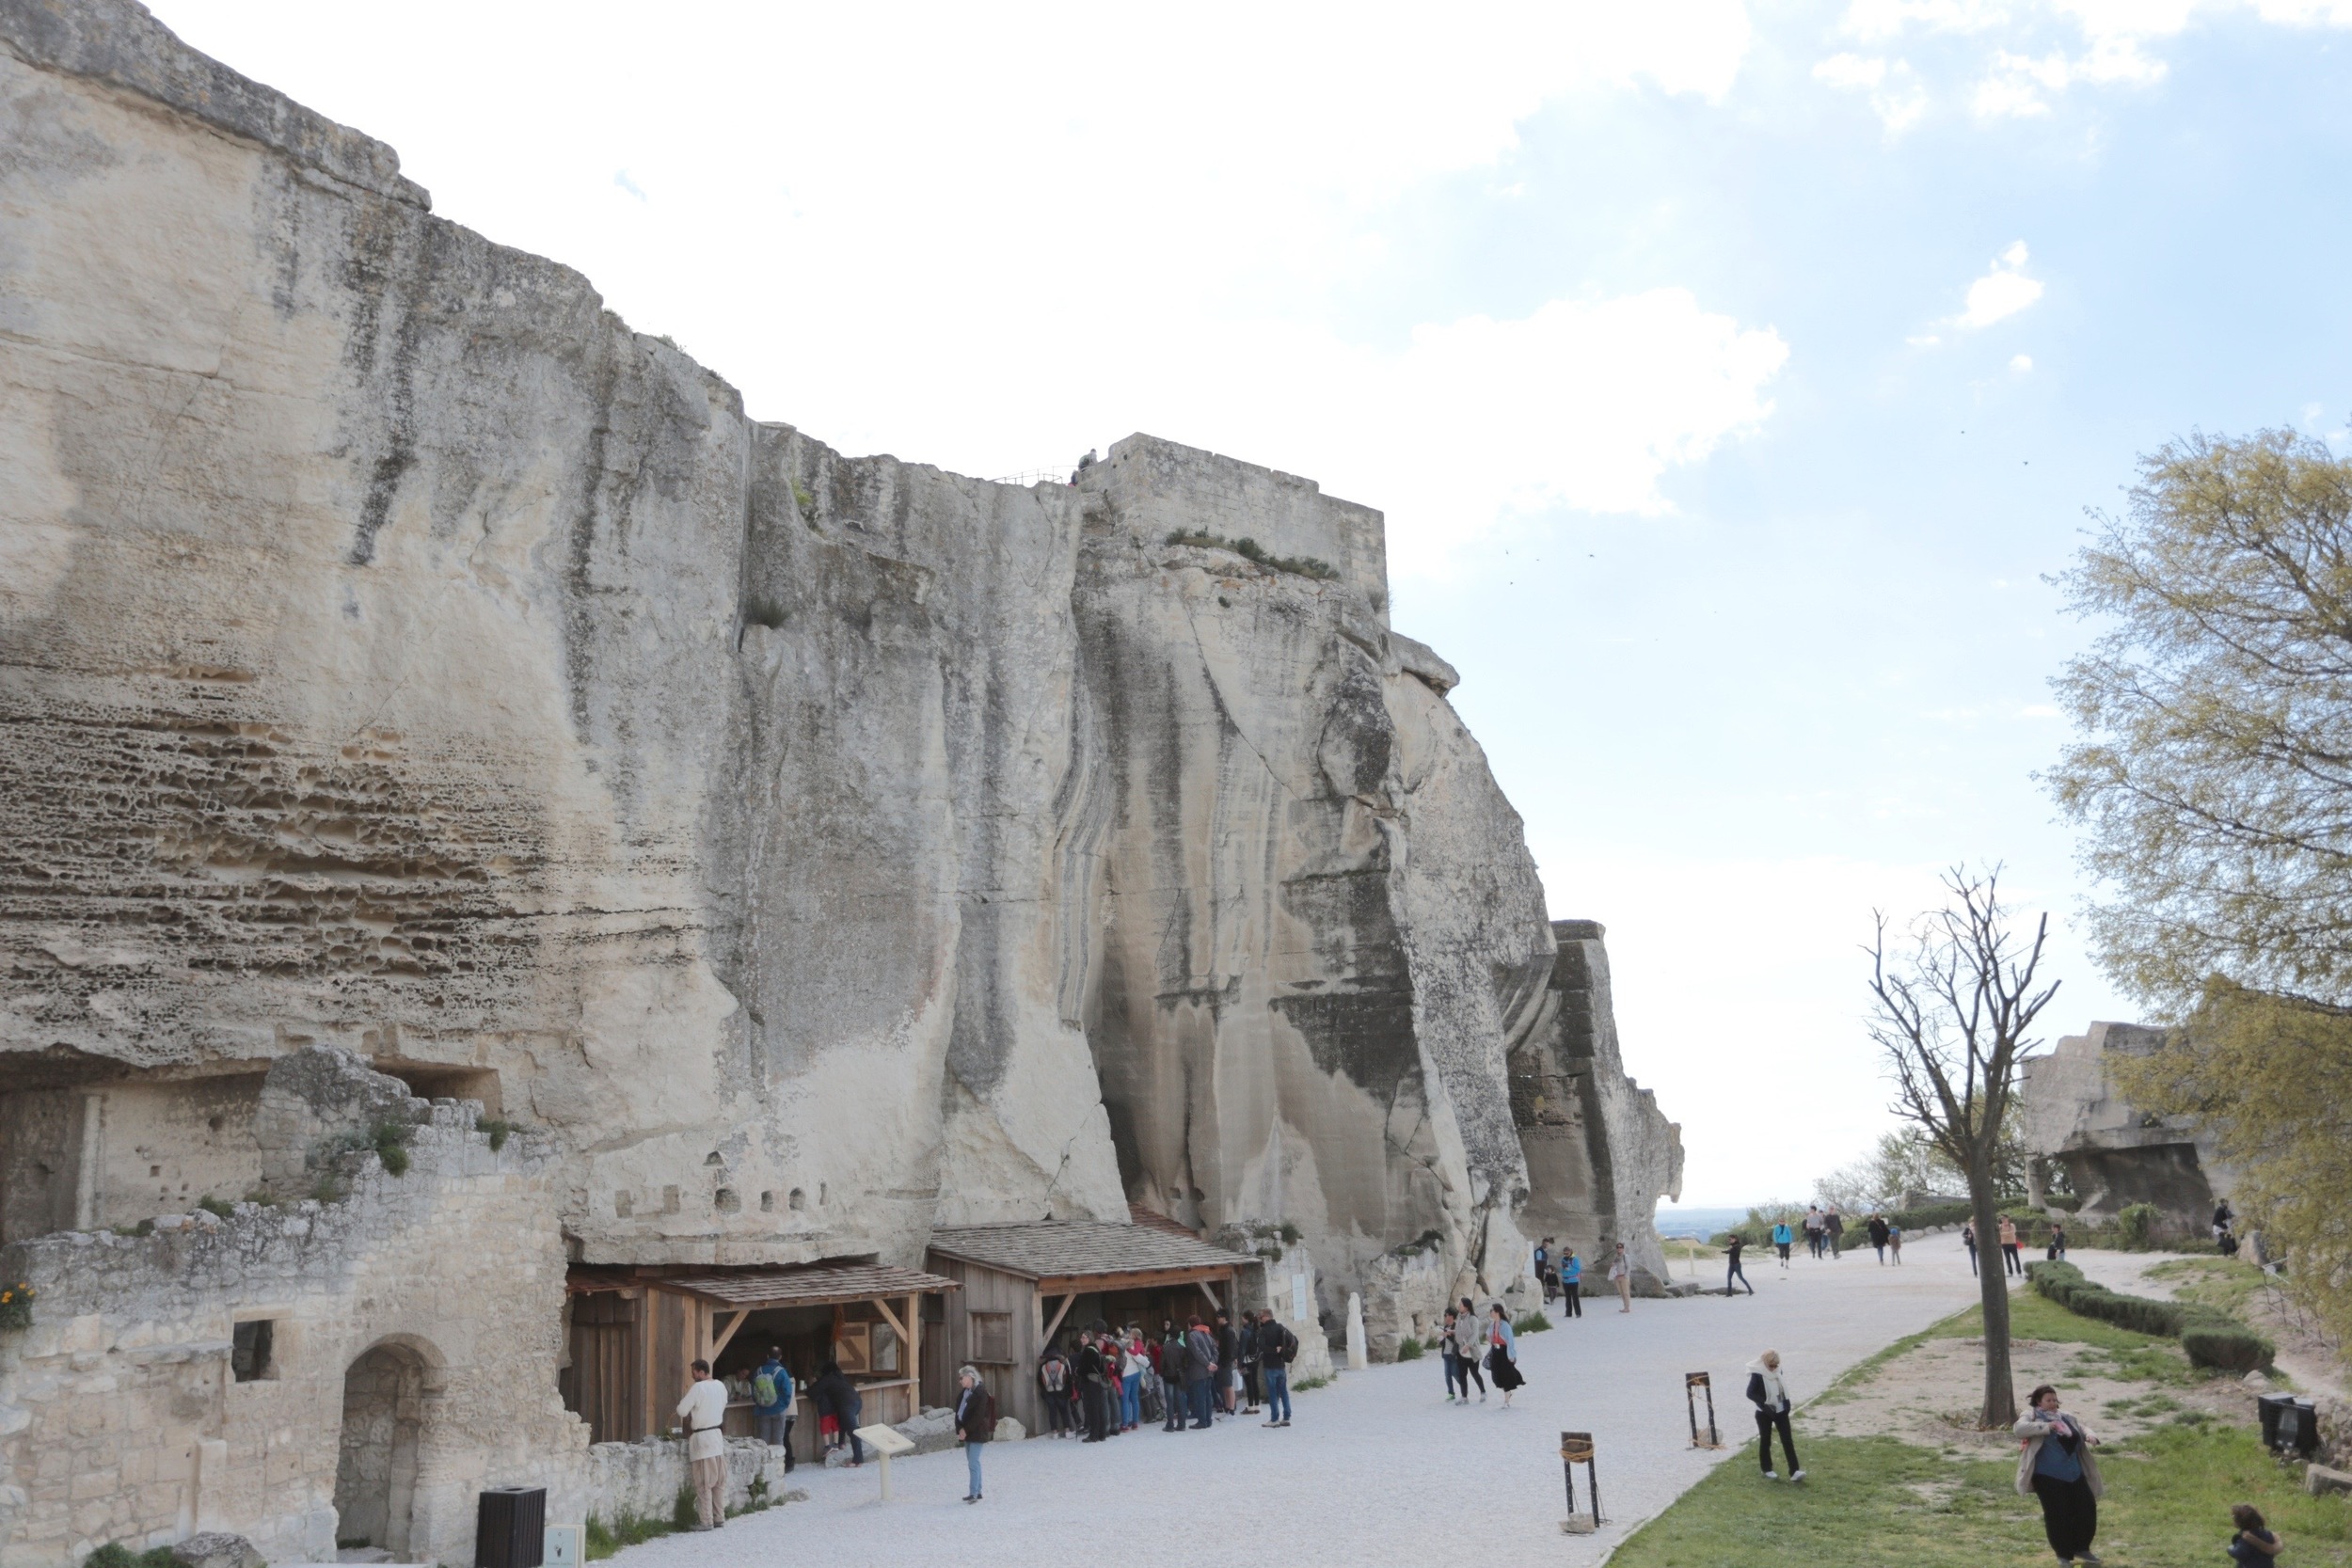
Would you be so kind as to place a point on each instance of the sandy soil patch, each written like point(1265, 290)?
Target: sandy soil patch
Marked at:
point(1929, 1396)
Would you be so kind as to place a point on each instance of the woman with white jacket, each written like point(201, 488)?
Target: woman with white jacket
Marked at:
point(2055, 1464)
point(1770, 1395)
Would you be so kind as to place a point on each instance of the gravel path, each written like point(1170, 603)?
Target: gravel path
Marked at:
point(1378, 1469)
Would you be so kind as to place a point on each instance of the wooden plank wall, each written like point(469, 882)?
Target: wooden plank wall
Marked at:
point(607, 1377)
point(986, 1289)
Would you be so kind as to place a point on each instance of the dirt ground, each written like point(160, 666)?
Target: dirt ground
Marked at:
point(1929, 1396)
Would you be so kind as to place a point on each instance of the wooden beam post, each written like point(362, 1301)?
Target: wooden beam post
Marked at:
point(742, 1315)
point(915, 1346)
point(1046, 1337)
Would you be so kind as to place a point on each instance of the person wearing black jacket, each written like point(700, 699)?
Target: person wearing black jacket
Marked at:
point(1245, 1352)
point(1878, 1236)
point(1174, 1357)
point(833, 1394)
point(976, 1423)
point(1770, 1395)
point(1228, 1362)
point(1277, 1345)
point(1201, 1369)
point(1739, 1242)
point(1092, 1389)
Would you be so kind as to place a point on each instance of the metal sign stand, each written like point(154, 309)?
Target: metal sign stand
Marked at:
point(1576, 1448)
point(1691, 1384)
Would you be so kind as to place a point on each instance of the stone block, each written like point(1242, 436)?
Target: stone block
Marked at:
point(2322, 1480)
point(216, 1549)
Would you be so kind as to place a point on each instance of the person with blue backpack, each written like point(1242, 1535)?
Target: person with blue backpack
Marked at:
point(1782, 1238)
point(772, 1404)
point(1572, 1285)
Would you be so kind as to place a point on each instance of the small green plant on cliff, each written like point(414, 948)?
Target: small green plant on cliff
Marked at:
point(1251, 550)
point(389, 1139)
point(326, 1189)
point(1531, 1322)
point(220, 1207)
point(805, 503)
point(16, 1305)
point(497, 1129)
point(114, 1554)
point(1409, 1349)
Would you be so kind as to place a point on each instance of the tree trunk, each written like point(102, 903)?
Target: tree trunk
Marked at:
point(2000, 1387)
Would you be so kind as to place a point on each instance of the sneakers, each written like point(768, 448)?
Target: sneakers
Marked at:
point(1796, 1475)
point(1771, 1475)
point(1284, 1422)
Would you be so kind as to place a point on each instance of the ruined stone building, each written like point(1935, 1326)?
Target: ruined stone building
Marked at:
point(2072, 1112)
point(498, 848)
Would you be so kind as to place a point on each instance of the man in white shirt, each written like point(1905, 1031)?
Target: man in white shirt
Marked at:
point(703, 1410)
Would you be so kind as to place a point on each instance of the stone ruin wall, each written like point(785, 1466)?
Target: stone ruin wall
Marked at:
point(400, 653)
point(2072, 1112)
point(123, 1415)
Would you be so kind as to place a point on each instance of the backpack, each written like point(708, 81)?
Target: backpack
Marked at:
point(764, 1391)
point(1289, 1344)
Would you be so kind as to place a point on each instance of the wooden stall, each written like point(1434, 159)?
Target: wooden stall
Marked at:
point(634, 1330)
point(1024, 1284)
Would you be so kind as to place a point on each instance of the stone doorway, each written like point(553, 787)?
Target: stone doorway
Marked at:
point(375, 1471)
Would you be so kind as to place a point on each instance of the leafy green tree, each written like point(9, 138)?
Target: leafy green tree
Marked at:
point(1951, 1009)
point(2213, 779)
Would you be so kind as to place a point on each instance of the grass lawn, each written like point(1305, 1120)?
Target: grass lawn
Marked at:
point(2227, 1283)
point(1880, 1501)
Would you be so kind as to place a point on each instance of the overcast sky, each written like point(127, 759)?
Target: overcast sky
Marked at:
point(1731, 375)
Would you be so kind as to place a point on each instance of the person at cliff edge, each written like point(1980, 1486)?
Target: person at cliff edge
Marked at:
point(703, 1410)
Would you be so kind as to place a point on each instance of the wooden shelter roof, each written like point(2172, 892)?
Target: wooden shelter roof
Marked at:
point(1084, 1249)
point(804, 1285)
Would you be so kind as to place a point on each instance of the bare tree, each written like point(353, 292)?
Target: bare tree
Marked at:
point(1951, 1014)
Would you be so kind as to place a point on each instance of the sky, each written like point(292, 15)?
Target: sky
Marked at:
point(1733, 376)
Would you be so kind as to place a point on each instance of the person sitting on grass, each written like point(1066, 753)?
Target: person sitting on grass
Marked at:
point(2056, 1465)
point(2254, 1541)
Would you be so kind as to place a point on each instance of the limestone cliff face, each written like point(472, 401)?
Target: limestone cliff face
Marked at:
point(398, 652)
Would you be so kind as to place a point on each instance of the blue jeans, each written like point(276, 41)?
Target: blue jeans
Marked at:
point(972, 1462)
point(1197, 1392)
point(1131, 1400)
point(1278, 1392)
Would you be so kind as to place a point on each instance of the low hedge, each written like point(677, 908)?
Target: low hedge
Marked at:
point(2211, 1338)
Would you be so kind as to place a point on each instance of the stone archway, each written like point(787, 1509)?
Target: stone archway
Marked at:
point(375, 1469)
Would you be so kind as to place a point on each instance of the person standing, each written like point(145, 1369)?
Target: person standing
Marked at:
point(1252, 1379)
point(1201, 1366)
point(1452, 1361)
point(1878, 1236)
point(704, 1410)
point(2009, 1260)
point(1543, 1268)
point(1833, 1227)
point(1276, 1348)
point(1621, 1276)
point(1095, 1376)
point(1228, 1364)
point(1503, 1351)
point(772, 1404)
point(976, 1423)
point(1968, 1239)
point(1131, 1365)
point(1770, 1395)
point(2056, 1466)
point(1813, 1230)
point(2255, 1542)
point(1470, 1347)
point(1895, 1244)
point(1731, 1253)
point(1782, 1238)
point(1053, 1381)
point(2058, 1240)
point(1174, 1356)
point(1572, 1285)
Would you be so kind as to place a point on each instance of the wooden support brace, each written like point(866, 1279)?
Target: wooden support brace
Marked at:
point(1060, 1312)
point(720, 1343)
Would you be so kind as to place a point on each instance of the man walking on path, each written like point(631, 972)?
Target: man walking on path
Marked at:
point(1833, 1227)
point(1735, 1271)
point(976, 1423)
point(703, 1410)
point(1621, 1276)
point(1878, 1236)
point(1968, 1239)
point(2010, 1260)
point(1572, 1285)
point(1813, 1231)
point(1277, 1345)
point(1770, 1395)
point(1452, 1360)
point(1543, 1268)
point(772, 1404)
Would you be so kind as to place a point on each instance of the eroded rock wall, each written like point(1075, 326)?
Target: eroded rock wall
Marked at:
point(398, 652)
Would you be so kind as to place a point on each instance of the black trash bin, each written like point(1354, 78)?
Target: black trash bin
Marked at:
point(2269, 1409)
point(2299, 1427)
point(511, 1527)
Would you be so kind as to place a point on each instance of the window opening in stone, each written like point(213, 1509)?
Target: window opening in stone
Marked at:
point(726, 1202)
point(799, 1198)
point(624, 1205)
point(669, 1200)
point(768, 1202)
point(250, 1357)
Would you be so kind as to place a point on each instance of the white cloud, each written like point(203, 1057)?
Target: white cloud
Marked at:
point(1887, 19)
point(2022, 363)
point(1895, 91)
point(2001, 293)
